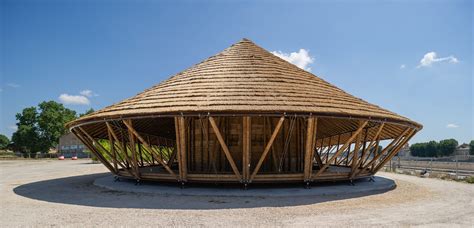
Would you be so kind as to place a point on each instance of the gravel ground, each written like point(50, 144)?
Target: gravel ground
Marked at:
point(60, 193)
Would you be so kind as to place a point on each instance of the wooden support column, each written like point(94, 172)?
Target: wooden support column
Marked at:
point(349, 141)
point(246, 137)
point(182, 151)
point(267, 148)
point(311, 130)
point(178, 147)
point(225, 148)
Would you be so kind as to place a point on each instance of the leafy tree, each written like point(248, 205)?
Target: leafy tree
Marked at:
point(51, 121)
point(27, 138)
point(431, 149)
point(447, 147)
point(4, 141)
point(418, 149)
point(91, 110)
point(471, 147)
point(39, 131)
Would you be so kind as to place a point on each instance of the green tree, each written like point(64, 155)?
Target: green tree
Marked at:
point(27, 138)
point(418, 149)
point(39, 131)
point(471, 147)
point(51, 121)
point(91, 110)
point(4, 141)
point(431, 149)
point(447, 147)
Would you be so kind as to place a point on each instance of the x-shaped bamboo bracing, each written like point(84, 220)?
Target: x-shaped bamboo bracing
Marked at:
point(388, 147)
point(95, 151)
point(349, 141)
point(395, 151)
point(96, 144)
point(135, 133)
point(267, 148)
point(119, 145)
point(375, 142)
point(224, 148)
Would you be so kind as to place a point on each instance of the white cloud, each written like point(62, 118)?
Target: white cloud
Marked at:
point(451, 125)
point(88, 93)
point(431, 57)
point(13, 85)
point(74, 99)
point(301, 58)
point(402, 66)
point(13, 127)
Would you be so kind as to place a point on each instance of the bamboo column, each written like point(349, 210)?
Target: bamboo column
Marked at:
point(246, 148)
point(309, 148)
point(180, 127)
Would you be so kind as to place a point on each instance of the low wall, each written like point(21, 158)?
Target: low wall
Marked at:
point(436, 164)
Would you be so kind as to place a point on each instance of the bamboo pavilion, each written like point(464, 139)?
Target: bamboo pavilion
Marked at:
point(244, 116)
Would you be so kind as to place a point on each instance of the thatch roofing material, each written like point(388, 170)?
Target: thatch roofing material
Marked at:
point(245, 78)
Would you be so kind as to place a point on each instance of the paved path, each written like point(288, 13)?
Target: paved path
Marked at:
point(59, 193)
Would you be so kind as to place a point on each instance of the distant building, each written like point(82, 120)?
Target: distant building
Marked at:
point(69, 145)
point(462, 150)
point(404, 151)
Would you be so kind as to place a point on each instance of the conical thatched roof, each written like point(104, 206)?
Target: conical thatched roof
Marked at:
point(245, 78)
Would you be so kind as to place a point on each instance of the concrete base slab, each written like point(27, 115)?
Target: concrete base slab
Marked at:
point(321, 189)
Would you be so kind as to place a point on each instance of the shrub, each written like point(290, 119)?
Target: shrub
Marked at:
point(470, 179)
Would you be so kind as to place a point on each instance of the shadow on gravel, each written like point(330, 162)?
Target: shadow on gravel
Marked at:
point(79, 190)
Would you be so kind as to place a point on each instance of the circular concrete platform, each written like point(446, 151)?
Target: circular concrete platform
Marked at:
point(365, 186)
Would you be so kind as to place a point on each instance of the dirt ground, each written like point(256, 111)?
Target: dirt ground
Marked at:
point(60, 193)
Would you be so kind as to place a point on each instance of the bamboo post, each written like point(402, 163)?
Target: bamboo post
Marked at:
point(178, 147)
point(309, 149)
point(246, 148)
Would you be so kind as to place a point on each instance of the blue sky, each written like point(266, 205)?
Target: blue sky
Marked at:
point(111, 50)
